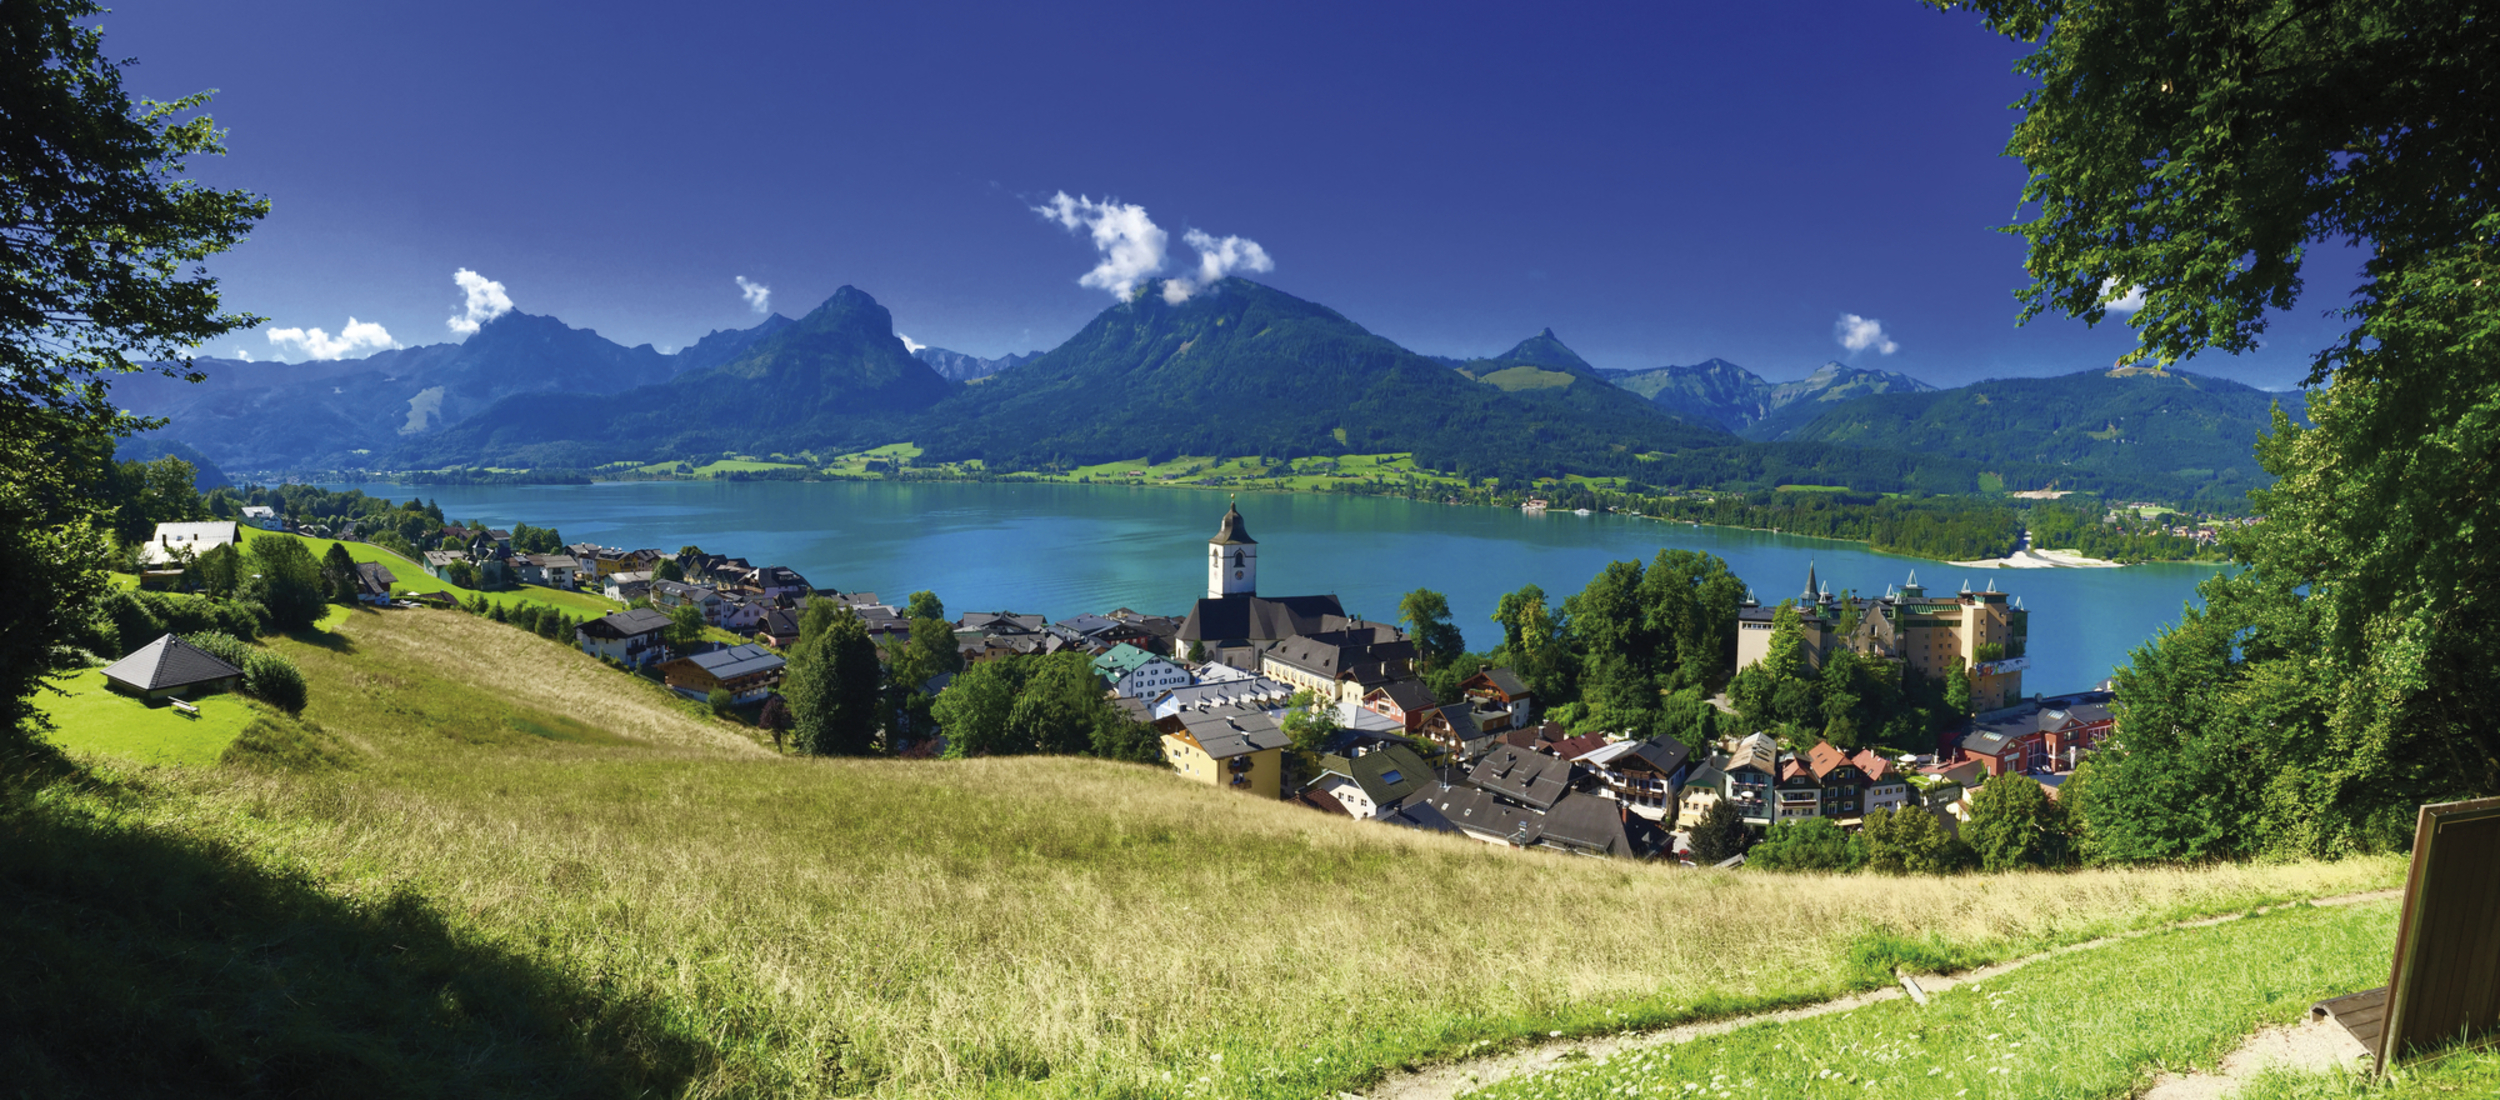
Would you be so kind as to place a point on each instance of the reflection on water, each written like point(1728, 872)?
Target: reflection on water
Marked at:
point(1058, 550)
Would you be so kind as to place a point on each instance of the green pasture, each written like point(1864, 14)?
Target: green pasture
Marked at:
point(90, 717)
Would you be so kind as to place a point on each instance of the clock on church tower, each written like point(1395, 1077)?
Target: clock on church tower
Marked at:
point(1232, 558)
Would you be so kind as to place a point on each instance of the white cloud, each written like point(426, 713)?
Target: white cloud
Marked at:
point(759, 297)
point(1132, 244)
point(910, 344)
point(243, 353)
point(1216, 259)
point(313, 343)
point(1860, 333)
point(486, 301)
point(1133, 248)
point(2129, 302)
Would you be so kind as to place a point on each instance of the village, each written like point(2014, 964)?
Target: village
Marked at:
point(1224, 683)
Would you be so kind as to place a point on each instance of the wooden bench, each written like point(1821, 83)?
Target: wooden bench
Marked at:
point(185, 708)
point(2444, 984)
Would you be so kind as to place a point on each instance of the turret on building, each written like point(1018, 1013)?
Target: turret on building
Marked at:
point(1927, 634)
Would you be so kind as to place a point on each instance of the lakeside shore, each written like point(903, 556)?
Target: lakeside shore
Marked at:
point(2042, 559)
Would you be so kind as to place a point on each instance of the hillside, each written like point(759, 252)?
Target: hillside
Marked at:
point(1715, 391)
point(259, 415)
point(955, 366)
point(1245, 369)
point(2137, 433)
point(530, 874)
point(835, 377)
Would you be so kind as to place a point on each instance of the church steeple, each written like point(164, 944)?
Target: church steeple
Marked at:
point(1814, 591)
point(1232, 558)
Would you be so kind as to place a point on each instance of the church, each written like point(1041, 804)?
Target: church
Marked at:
point(1234, 624)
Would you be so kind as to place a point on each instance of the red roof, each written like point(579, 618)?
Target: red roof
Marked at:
point(1877, 768)
point(1824, 758)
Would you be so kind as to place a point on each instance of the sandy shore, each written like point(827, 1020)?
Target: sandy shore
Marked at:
point(2040, 559)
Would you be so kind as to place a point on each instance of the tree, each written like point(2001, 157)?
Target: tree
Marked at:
point(2014, 823)
point(2193, 153)
point(668, 570)
point(685, 627)
point(974, 710)
point(1309, 726)
point(338, 573)
point(1426, 614)
point(831, 684)
point(1814, 844)
point(102, 247)
point(1910, 841)
point(775, 719)
point(462, 574)
point(289, 582)
point(1957, 695)
point(925, 604)
point(1719, 834)
point(1059, 706)
point(930, 652)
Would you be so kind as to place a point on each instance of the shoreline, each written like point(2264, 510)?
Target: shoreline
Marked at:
point(2041, 559)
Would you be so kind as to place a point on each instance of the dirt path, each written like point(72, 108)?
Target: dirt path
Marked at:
point(2305, 1046)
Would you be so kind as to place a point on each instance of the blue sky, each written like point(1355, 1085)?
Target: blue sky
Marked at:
point(1658, 182)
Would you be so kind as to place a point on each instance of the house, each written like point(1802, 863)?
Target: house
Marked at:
point(1371, 784)
point(438, 563)
point(1342, 665)
point(1752, 770)
point(1106, 631)
point(746, 672)
point(1405, 702)
point(1705, 786)
point(1886, 788)
point(1453, 730)
point(1500, 691)
point(1133, 673)
point(1644, 774)
point(740, 613)
point(1233, 749)
point(1160, 631)
point(559, 570)
point(1796, 796)
point(773, 582)
point(373, 582)
point(632, 637)
point(168, 667)
point(671, 595)
point(2045, 735)
point(264, 517)
point(1254, 693)
point(1841, 779)
point(627, 586)
point(179, 543)
point(1528, 778)
point(780, 628)
point(1579, 823)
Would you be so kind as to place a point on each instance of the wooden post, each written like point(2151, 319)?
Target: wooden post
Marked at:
point(2445, 982)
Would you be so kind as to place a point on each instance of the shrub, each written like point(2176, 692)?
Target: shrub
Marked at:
point(225, 647)
point(285, 744)
point(274, 680)
point(720, 701)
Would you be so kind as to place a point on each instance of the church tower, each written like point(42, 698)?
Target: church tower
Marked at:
point(1232, 559)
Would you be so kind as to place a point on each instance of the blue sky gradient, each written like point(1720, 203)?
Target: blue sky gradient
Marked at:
point(1658, 182)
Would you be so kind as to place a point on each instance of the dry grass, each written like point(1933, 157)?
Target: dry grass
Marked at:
point(1044, 926)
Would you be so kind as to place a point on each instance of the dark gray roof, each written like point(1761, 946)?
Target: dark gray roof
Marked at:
point(1505, 681)
point(376, 578)
point(1666, 754)
point(1229, 734)
point(1409, 695)
point(1387, 775)
point(1233, 531)
point(1420, 813)
point(1524, 776)
point(627, 624)
point(1346, 654)
point(1599, 826)
point(1479, 812)
point(1257, 618)
point(735, 662)
point(168, 662)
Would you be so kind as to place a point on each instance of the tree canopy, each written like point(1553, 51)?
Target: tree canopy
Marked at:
point(2202, 154)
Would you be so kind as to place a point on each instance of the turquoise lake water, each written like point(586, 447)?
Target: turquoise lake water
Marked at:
point(1059, 550)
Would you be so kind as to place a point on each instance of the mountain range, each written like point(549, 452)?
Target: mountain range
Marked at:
point(1238, 368)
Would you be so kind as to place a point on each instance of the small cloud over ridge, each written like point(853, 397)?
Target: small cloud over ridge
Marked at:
point(759, 297)
point(1860, 333)
point(1134, 248)
point(486, 301)
point(314, 343)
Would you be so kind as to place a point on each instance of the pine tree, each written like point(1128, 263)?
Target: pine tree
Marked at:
point(1719, 834)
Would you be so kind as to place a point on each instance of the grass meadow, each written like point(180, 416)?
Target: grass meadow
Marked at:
point(91, 717)
point(412, 578)
point(580, 879)
point(2098, 1023)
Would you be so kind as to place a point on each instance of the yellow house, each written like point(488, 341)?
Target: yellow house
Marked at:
point(1237, 750)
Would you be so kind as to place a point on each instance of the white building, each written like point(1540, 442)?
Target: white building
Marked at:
point(176, 542)
point(264, 517)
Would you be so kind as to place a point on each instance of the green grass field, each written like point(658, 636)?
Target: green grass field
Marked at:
point(412, 578)
point(93, 718)
point(630, 890)
point(2102, 1022)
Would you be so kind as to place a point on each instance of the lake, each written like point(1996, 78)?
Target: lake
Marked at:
point(1059, 550)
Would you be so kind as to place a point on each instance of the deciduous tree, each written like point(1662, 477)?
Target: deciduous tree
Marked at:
point(832, 687)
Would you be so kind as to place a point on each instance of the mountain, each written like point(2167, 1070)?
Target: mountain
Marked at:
point(719, 346)
point(343, 412)
point(1540, 362)
point(1795, 403)
point(834, 377)
point(1242, 368)
point(147, 448)
point(2137, 431)
point(955, 366)
point(1716, 391)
